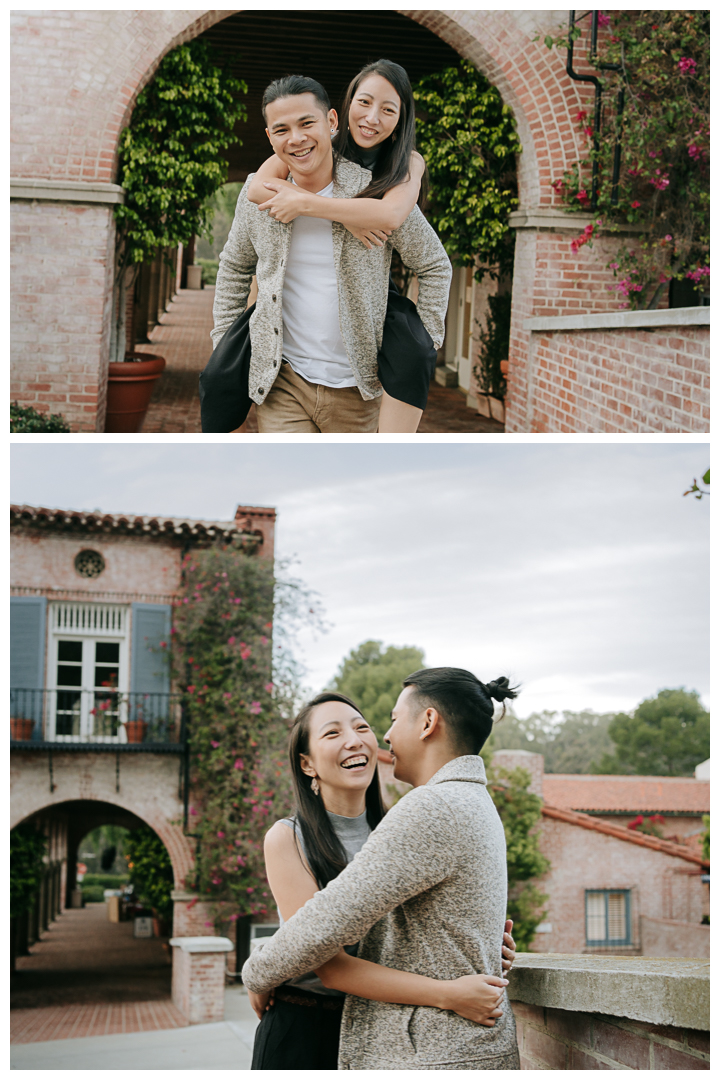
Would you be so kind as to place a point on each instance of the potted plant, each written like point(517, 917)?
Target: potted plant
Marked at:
point(170, 161)
point(136, 730)
point(130, 386)
point(21, 729)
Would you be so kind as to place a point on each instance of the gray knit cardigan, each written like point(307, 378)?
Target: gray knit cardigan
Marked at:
point(257, 244)
point(427, 894)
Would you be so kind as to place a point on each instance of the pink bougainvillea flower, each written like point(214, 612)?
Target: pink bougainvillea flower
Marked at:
point(635, 204)
point(191, 689)
point(227, 695)
point(234, 917)
point(193, 811)
point(163, 644)
point(269, 687)
point(239, 763)
point(250, 889)
point(255, 707)
point(208, 924)
point(603, 20)
point(687, 66)
point(214, 744)
point(263, 639)
point(231, 641)
point(221, 835)
point(668, 237)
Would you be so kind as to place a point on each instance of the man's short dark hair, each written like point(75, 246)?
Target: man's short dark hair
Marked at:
point(464, 702)
point(290, 86)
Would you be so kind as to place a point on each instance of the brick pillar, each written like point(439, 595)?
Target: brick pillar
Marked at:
point(192, 916)
point(198, 977)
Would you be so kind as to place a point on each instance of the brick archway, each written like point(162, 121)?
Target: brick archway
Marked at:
point(146, 793)
point(115, 54)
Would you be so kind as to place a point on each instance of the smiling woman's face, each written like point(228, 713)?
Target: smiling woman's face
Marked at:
point(342, 748)
point(374, 111)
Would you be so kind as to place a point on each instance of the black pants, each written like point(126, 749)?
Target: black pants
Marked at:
point(292, 1036)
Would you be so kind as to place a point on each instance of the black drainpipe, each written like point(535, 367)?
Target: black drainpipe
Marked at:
point(597, 119)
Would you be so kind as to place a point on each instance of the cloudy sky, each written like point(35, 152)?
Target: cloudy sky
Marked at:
point(579, 570)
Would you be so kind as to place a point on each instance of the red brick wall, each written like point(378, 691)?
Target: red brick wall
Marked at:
point(61, 268)
point(609, 381)
point(663, 887)
point(557, 1039)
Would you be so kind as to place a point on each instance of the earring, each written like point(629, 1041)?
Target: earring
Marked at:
point(315, 786)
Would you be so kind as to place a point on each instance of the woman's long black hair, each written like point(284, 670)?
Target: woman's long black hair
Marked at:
point(393, 163)
point(324, 852)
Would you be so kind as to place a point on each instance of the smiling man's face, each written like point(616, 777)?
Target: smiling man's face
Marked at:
point(299, 131)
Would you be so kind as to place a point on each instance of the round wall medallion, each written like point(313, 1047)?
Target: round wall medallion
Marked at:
point(89, 564)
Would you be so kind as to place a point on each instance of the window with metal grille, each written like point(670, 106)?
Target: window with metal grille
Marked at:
point(607, 917)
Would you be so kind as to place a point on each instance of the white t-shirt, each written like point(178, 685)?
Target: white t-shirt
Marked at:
point(312, 340)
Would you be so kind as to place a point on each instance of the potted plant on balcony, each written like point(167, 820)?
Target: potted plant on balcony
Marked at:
point(171, 161)
point(136, 729)
point(21, 729)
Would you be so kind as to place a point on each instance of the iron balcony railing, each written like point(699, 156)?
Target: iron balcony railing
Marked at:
point(104, 718)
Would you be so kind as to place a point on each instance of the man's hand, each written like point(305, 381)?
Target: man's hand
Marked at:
point(476, 997)
point(287, 203)
point(261, 1002)
point(508, 949)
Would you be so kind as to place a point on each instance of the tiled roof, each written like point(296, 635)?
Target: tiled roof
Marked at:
point(129, 524)
point(572, 817)
point(633, 794)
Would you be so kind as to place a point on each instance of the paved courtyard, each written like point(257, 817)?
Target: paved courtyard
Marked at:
point(91, 996)
point(183, 338)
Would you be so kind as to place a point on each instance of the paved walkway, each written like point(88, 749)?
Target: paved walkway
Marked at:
point(201, 1046)
point(183, 338)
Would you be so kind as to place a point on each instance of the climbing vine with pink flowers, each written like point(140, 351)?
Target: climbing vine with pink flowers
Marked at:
point(240, 695)
point(663, 61)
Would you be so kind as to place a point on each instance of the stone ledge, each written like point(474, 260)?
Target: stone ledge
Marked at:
point(65, 191)
point(203, 944)
point(551, 219)
point(656, 991)
point(621, 320)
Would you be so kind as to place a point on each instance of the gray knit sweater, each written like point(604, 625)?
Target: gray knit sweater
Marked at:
point(427, 894)
point(258, 244)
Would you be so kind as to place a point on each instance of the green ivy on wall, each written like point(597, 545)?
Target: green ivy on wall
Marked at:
point(468, 140)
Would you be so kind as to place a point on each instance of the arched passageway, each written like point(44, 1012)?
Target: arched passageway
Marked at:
point(75, 955)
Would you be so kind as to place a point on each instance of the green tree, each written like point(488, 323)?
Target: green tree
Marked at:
point(706, 837)
point(570, 742)
point(520, 811)
point(150, 869)
point(171, 161)
point(373, 676)
point(468, 139)
point(667, 735)
point(27, 866)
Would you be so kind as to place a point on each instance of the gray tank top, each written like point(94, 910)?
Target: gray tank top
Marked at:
point(352, 834)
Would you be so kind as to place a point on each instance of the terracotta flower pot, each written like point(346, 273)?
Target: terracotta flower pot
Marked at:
point(21, 730)
point(130, 385)
point(136, 730)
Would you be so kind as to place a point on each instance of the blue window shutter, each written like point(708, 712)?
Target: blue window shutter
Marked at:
point(150, 671)
point(27, 641)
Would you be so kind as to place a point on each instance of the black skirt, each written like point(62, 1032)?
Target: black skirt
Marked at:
point(299, 1036)
point(406, 362)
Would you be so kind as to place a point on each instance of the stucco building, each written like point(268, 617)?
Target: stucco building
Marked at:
point(577, 363)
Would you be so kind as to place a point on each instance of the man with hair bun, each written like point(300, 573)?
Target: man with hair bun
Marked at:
point(427, 893)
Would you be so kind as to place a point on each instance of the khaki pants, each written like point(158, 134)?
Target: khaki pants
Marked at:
point(295, 405)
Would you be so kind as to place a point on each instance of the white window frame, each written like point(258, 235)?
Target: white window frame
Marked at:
point(89, 623)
